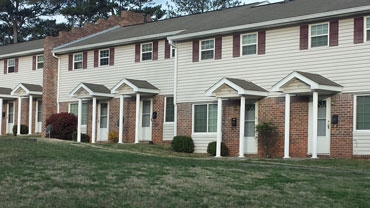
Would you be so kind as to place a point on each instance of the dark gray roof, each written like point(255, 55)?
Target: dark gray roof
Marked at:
point(227, 18)
point(319, 79)
point(25, 48)
point(247, 85)
point(142, 84)
point(5, 91)
point(97, 88)
point(32, 87)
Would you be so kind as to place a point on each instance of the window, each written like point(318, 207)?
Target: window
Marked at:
point(250, 123)
point(207, 49)
point(249, 44)
point(146, 51)
point(319, 35)
point(10, 112)
point(104, 57)
point(40, 62)
point(77, 61)
point(363, 113)
point(170, 110)
point(205, 118)
point(73, 108)
point(368, 29)
point(11, 65)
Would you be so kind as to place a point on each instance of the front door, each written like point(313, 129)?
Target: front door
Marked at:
point(103, 122)
point(323, 127)
point(10, 118)
point(146, 120)
point(250, 141)
point(38, 116)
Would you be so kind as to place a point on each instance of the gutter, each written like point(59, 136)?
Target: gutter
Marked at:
point(23, 53)
point(175, 69)
point(58, 82)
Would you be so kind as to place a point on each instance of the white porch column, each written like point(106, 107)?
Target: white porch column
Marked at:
point(30, 115)
point(314, 123)
point(1, 115)
point(287, 126)
point(93, 126)
point(79, 120)
point(137, 122)
point(121, 104)
point(19, 115)
point(242, 126)
point(219, 127)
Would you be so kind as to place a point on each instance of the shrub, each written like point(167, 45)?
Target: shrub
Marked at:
point(183, 144)
point(84, 137)
point(113, 136)
point(64, 124)
point(267, 137)
point(211, 149)
point(24, 129)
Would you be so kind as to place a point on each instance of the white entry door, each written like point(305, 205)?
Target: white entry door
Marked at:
point(10, 118)
point(38, 126)
point(146, 120)
point(250, 141)
point(103, 122)
point(323, 127)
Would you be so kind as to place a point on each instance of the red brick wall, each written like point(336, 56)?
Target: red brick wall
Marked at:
point(157, 125)
point(298, 126)
point(184, 119)
point(230, 134)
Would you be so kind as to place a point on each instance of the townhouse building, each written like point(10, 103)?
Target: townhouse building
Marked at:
point(301, 65)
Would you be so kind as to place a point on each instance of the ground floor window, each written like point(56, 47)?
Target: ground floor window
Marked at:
point(73, 108)
point(363, 113)
point(205, 118)
point(250, 121)
point(170, 110)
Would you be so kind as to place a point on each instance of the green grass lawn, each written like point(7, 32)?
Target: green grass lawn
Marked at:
point(52, 173)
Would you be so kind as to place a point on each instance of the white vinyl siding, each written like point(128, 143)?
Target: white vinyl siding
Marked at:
point(104, 57)
point(40, 62)
point(11, 65)
point(249, 44)
point(146, 51)
point(207, 49)
point(319, 35)
point(77, 61)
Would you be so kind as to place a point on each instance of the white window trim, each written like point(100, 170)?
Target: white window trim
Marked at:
point(74, 61)
point(37, 61)
point(200, 49)
point(8, 65)
point(241, 44)
point(74, 103)
point(193, 120)
point(309, 34)
point(107, 49)
point(165, 112)
point(366, 29)
point(141, 51)
point(355, 130)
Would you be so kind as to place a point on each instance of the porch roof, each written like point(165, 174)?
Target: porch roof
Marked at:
point(89, 90)
point(23, 89)
point(132, 86)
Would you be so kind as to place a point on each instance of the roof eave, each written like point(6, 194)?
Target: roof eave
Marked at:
point(23, 53)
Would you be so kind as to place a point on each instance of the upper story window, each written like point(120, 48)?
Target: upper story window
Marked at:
point(11, 65)
point(319, 35)
point(40, 62)
point(363, 113)
point(368, 29)
point(146, 51)
point(77, 61)
point(170, 115)
point(249, 44)
point(205, 118)
point(104, 57)
point(207, 48)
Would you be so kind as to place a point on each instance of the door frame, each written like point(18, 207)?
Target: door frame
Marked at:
point(99, 114)
point(150, 128)
point(7, 117)
point(38, 125)
point(251, 140)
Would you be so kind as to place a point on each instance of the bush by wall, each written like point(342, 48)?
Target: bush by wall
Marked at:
point(64, 124)
point(24, 129)
point(211, 149)
point(84, 137)
point(183, 144)
point(267, 137)
point(113, 136)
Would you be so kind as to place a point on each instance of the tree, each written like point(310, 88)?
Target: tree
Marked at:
point(185, 7)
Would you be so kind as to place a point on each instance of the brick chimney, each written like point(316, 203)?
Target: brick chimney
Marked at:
point(50, 75)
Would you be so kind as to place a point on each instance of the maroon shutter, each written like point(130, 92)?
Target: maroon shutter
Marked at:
point(5, 66)
point(16, 65)
point(167, 50)
point(96, 58)
point(70, 62)
point(195, 50)
point(218, 48)
point(137, 52)
point(262, 42)
point(33, 63)
point(111, 56)
point(358, 36)
point(303, 37)
point(333, 36)
point(236, 45)
point(155, 50)
point(84, 60)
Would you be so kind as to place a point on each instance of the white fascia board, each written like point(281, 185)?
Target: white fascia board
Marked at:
point(118, 85)
point(7, 96)
point(115, 42)
point(147, 90)
point(272, 23)
point(256, 93)
point(329, 88)
point(17, 87)
point(79, 86)
point(278, 86)
point(23, 53)
point(35, 93)
point(102, 95)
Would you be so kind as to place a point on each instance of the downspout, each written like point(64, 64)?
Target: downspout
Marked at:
point(174, 45)
point(58, 82)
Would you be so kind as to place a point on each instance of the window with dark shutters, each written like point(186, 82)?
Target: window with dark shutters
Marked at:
point(155, 50)
point(16, 65)
point(196, 51)
point(303, 40)
point(84, 60)
point(261, 42)
point(236, 45)
point(111, 56)
point(96, 58)
point(333, 34)
point(218, 48)
point(137, 52)
point(33, 63)
point(70, 62)
point(358, 36)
